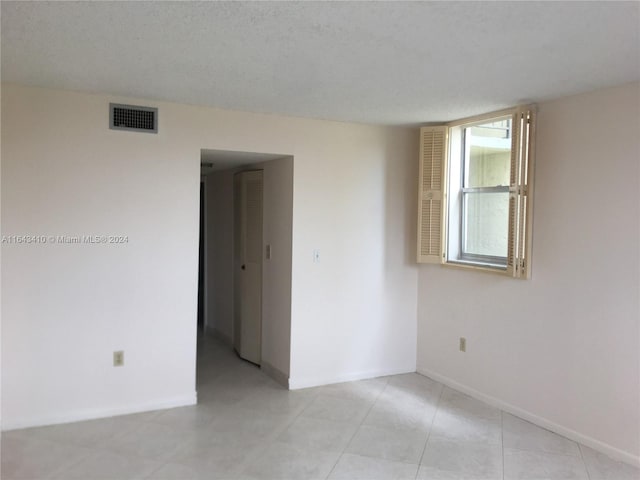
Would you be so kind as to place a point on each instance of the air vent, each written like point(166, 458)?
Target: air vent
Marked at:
point(133, 118)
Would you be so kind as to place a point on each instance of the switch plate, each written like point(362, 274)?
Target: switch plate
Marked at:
point(118, 358)
point(316, 256)
point(463, 344)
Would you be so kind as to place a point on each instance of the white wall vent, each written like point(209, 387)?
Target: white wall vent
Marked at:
point(133, 118)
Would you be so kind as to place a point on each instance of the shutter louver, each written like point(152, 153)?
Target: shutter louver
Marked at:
point(520, 189)
point(511, 236)
point(433, 147)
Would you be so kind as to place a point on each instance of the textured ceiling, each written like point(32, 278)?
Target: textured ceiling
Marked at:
point(373, 62)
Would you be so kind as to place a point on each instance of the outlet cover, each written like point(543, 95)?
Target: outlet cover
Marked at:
point(118, 358)
point(463, 344)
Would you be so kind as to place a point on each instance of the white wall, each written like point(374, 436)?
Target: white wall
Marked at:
point(66, 308)
point(276, 272)
point(219, 252)
point(563, 348)
point(354, 311)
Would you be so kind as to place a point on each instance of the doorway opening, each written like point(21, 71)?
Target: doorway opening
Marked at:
point(201, 262)
point(246, 309)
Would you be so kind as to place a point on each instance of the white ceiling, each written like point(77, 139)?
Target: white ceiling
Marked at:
point(374, 62)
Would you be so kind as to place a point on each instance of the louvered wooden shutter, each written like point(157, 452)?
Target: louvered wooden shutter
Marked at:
point(433, 151)
point(520, 194)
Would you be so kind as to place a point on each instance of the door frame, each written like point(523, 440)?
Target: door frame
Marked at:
point(205, 267)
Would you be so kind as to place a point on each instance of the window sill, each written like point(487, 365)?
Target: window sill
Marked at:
point(482, 267)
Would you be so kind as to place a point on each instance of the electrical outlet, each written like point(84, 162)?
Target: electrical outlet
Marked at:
point(118, 358)
point(463, 344)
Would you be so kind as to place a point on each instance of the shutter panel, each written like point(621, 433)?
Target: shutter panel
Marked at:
point(529, 124)
point(512, 249)
point(433, 154)
point(520, 191)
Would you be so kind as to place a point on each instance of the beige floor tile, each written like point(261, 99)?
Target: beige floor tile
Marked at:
point(388, 444)
point(248, 427)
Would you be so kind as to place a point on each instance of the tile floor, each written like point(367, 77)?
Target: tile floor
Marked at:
point(248, 427)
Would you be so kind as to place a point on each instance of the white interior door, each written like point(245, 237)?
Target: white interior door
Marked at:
point(248, 284)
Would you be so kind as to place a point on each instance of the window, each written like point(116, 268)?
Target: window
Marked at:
point(476, 191)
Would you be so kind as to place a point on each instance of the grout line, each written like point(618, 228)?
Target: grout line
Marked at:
point(424, 449)
point(502, 439)
point(545, 452)
point(156, 470)
point(358, 427)
point(83, 457)
point(583, 461)
point(273, 437)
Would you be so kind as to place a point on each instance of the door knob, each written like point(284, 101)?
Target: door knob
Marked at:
point(243, 267)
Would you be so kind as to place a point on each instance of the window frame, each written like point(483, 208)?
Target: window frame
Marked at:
point(517, 263)
point(463, 256)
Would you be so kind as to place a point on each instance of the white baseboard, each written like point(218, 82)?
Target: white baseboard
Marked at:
point(275, 374)
point(93, 414)
point(590, 442)
point(298, 383)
